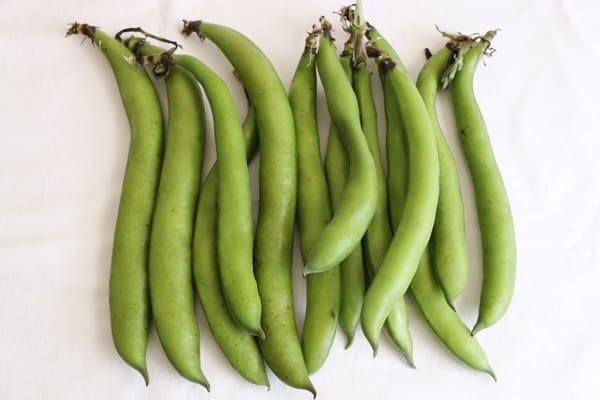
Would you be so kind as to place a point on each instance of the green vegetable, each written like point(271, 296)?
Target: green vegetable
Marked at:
point(128, 287)
point(493, 208)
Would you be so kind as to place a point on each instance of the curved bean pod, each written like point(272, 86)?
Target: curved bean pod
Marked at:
point(351, 268)
point(379, 233)
point(397, 180)
point(234, 227)
point(313, 213)
point(237, 344)
point(493, 208)
point(278, 189)
point(444, 321)
point(355, 211)
point(170, 266)
point(414, 229)
point(448, 244)
point(397, 322)
point(128, 287)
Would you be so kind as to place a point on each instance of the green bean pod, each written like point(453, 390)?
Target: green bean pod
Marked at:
point(234, 227)
point(238, 346)
point(443, 320)
point(278, 190)
point(379, 233)
point(448, 244)
point(397, 179)
point(493, 208)
point(414, 229)
point(356, 208)
point(170, 267)
point(128, 285)
point(397, 322)
point(322, 290)
point(352, 268)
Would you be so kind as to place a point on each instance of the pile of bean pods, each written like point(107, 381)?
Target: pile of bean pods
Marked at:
point(368, 235)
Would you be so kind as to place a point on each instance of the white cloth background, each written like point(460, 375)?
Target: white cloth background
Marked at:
point(64, 144)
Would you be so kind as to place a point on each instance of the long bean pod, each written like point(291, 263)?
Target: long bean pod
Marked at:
point(414, 229)
point(448, 243)
point(314, 211)
point(352, 267)
point(493, 208)
point(170, 266)
point(379, 233)
point(234, 227)
point(128, 285)
point(396, 325)
point(397, 179)
point(238, 346)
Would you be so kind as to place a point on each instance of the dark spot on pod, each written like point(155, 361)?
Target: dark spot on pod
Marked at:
point(126, 42)
point(428, 53)
point(463, 132)
point(373, 52)
point(452, 46)
point(137, 45)
point(387, 65)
